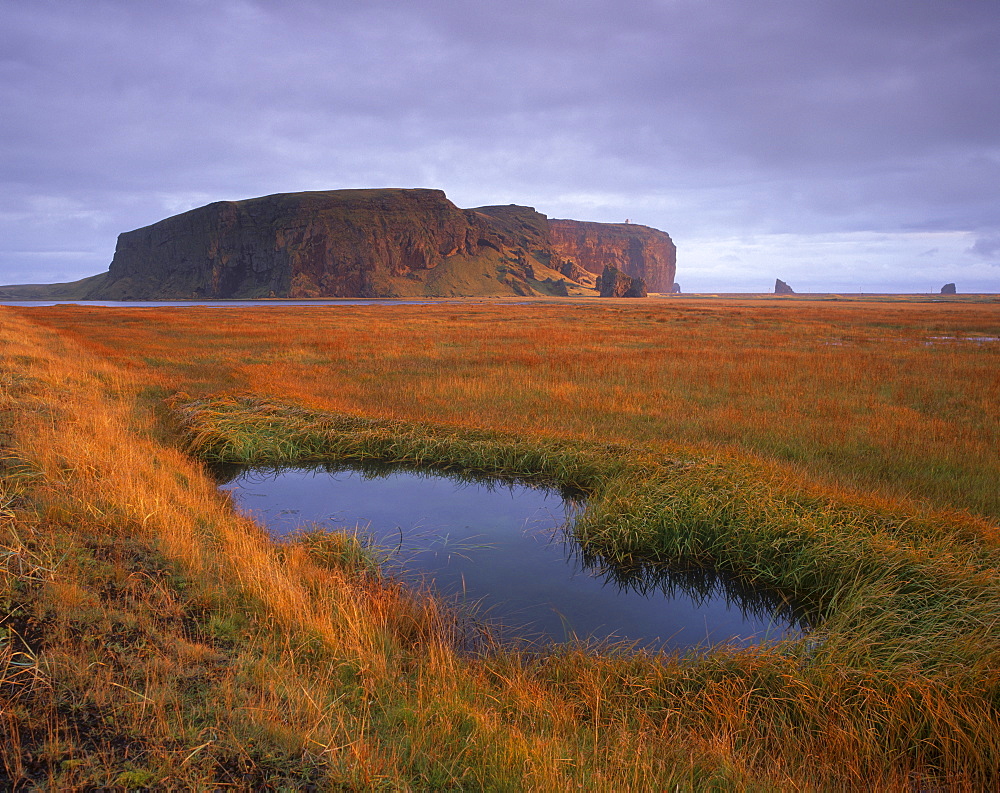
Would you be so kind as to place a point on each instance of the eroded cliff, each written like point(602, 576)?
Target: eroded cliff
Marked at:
point(638, 251)
point(374, 243)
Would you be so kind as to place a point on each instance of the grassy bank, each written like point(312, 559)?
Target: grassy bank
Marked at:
point(888, 399)
point(155, 637)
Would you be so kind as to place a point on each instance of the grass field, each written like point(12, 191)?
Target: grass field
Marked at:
point(843, 452)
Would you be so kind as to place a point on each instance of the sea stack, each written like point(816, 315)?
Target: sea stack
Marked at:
point(781, 288)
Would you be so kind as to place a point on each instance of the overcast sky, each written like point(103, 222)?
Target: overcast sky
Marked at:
point(840, 145)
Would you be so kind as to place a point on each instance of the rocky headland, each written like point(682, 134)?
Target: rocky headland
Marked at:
point(373, 243)
point(637, 251)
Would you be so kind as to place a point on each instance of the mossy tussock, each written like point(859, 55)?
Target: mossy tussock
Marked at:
point(905, 604)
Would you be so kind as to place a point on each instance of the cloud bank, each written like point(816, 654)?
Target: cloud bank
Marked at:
point(836, 145)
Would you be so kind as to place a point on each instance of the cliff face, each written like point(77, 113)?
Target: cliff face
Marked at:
point(638, 251)
point(344, 243)
point(372, 243)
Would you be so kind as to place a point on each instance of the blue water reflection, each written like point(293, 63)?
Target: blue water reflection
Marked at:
point(504, 547)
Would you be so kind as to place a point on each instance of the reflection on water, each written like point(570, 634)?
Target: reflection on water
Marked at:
point(967, 339)
point(507, 548)
point(703, 587)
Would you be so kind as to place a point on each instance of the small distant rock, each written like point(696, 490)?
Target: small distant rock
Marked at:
point(614, 283)
point(558, 287)
point(948, 289)
point(781, 288)
point(675, 289)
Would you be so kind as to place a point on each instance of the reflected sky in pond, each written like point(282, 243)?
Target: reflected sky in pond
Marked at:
point(504, 547)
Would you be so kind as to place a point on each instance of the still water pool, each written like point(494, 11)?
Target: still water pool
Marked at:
point(503, 548)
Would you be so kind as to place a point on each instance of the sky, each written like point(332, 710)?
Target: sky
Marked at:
point(840, 145)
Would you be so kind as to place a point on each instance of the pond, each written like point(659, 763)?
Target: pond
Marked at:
point(504, 548)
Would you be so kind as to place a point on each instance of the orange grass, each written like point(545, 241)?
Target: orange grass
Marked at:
point(152, 636)
point(881, 397)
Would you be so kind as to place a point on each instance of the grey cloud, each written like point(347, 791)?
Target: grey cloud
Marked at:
point(987, 247)
point(778, 116)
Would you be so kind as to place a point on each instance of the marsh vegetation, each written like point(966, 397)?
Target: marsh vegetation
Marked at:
point(504, 553)
point(152, 635)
